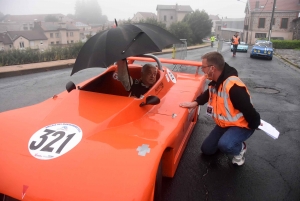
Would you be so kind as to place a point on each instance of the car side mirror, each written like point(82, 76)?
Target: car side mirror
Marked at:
point(70, 86)
point(151, 100)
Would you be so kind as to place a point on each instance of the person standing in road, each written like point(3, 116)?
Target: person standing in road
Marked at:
point(229, 104)
point(235, 41)
point(212, 40)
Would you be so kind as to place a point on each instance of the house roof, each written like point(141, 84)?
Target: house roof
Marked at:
point(147, 14)
point(4, 38)
point(180, 8)
point(214, 17)
point(29, 35)
point(4, 27)
point(29, 18)
point(267, 5)
point(54, 26)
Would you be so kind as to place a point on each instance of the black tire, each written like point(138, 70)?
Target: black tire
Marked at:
point(270, 58)
point(246, 51)
point(251, 56)
point(158, 183)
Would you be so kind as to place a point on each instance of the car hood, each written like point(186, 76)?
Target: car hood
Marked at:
point(258, 47)
point(113, 133)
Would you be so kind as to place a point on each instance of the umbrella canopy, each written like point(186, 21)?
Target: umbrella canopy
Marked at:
point(109, 46)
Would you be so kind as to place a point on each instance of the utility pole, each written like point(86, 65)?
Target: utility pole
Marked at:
point(271, 22)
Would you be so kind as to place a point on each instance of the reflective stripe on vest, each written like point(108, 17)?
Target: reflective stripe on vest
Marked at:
point(235, 40)
point(224, 113)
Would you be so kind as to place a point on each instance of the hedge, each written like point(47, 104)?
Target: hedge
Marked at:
point(286, 44)
point(18, 57)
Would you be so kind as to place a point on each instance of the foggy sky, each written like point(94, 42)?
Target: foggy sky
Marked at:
point(122, 9)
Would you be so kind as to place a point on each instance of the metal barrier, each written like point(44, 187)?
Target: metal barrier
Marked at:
point(179, 52)
point(220, 46)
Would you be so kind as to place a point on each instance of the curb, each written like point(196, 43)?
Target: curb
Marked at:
point(287, 61)
point(31, 70)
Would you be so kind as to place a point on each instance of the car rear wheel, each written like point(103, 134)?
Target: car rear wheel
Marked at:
point(158, 183)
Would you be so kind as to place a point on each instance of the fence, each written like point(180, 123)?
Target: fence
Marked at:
point(179, 52)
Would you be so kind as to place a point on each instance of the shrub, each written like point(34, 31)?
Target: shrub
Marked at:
point(286, 44)
point(18, 57)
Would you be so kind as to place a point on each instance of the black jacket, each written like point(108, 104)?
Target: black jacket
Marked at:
point(238, 96)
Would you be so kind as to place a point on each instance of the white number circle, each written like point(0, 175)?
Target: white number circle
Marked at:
point(171, 76)
point(54, 140)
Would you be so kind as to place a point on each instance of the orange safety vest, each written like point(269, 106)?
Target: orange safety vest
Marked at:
point(224, 113)
point(235, 40)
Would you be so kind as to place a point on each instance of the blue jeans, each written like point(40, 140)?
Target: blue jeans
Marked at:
point(228, 140)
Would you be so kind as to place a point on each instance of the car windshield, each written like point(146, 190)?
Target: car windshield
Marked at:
point(264, 44)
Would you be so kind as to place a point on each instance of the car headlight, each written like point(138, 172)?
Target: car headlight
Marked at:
point(258, 51)
point(269, 52)
point(254, 50)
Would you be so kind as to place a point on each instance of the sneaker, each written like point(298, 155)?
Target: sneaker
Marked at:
point(240, 159)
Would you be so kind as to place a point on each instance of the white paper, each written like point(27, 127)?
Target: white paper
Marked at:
point(269, 129)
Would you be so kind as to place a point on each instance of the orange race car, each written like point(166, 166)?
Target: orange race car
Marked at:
point(93, 142)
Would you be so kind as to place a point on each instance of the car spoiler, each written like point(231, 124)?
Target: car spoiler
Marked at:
point(152, 58)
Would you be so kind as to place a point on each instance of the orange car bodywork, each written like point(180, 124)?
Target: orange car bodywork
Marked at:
point(106, 163)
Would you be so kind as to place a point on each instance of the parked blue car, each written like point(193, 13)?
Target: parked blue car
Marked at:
point(262, 48)
point(242, 47)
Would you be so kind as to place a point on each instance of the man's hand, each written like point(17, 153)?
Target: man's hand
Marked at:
point(188, 104)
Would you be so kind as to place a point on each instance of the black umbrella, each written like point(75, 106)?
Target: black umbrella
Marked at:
point(109, 46)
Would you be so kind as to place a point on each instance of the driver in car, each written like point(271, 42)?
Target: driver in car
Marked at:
point(137, 87)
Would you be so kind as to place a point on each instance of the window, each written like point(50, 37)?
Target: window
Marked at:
point(71, 33)
point(57, 42)
point(257, 4)
point(57, 35)
point(165, 18)
point(52, 43)
point(41, 42)
point(72, 41)
point(219, 28)
point(31, 43)
point(261, 22)
point(21, 45)
point(284, 23)
point(51, 35)
point(273, 23)
point(260, 35)
point(10, 46)
point(171, 17)
point(67, 34)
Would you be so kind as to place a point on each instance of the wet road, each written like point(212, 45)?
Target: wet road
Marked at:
point(271, 170)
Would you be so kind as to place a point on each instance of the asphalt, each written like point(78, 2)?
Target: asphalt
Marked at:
point(292, 57)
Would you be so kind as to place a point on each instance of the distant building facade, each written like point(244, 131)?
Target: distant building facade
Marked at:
point(214, 19)
point(143, 16)
point(226, 28)
point(258, 19)
point(169, 14)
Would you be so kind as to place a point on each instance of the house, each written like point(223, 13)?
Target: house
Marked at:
point(26, 22)
point(214, 19)
point(139, 16)
point(258, 19)
point(227, 27)
point(23, 39)
point(59, 33)
point(169, 14)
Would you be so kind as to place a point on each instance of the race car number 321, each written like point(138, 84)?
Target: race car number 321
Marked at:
point(54, 140)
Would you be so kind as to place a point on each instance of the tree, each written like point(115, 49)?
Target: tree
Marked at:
point(89, 12)
point(200, 25)
point(51, 18)
point(155, 22)
point(182, 30)
point(1, 15)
